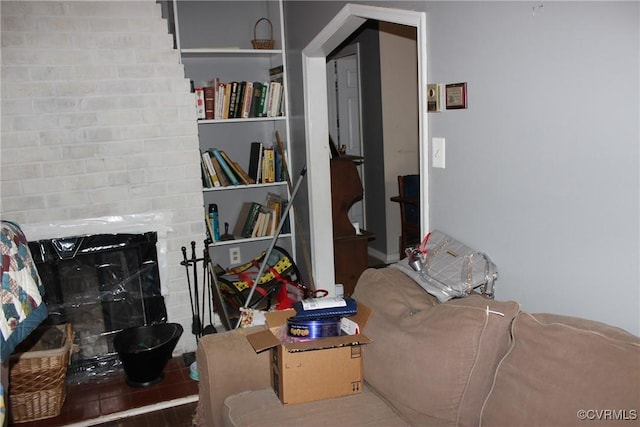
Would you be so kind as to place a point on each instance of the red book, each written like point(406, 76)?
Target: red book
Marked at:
point(209, 102)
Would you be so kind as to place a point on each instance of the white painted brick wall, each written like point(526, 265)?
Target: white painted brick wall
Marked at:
point(97, 120)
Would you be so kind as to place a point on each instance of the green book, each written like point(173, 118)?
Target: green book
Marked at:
point(247, 230)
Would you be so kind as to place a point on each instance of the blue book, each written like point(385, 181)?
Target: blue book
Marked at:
point(225, 167)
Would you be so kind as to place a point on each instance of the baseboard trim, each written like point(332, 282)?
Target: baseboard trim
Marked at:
point(136, 411)
point(386, 258)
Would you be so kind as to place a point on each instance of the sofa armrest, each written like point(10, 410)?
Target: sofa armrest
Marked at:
point(227, 364)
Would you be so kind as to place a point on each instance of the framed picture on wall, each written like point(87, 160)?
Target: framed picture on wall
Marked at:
point(456, 96)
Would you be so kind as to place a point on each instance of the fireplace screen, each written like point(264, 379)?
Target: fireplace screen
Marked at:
point(100, 284)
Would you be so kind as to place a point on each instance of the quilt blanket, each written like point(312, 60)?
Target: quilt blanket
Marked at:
point(21, 291)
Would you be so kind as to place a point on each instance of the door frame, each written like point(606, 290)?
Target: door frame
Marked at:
point(314, 55)
point(351, 50)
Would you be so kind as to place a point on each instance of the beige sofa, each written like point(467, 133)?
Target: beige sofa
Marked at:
point(466, 362)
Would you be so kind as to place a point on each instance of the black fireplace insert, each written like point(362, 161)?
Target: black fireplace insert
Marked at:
point(100, 284)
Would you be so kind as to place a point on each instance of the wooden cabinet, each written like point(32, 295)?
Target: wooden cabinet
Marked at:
point(349, 249)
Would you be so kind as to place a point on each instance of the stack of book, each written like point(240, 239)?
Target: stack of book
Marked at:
point(265, 164)
point(218, 170)
point(259, 219)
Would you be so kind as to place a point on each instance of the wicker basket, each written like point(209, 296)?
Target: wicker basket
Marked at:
point(37, 380)
point(263, 43)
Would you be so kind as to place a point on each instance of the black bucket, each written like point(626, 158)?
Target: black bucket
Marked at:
point(145, 351)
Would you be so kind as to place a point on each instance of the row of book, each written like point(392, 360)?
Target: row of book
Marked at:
point(265, 164)
point(241, 99)
point(259, 219)
point(219, 170)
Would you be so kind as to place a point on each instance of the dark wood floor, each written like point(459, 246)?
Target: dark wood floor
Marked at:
point(375, 262)
point(94, 402)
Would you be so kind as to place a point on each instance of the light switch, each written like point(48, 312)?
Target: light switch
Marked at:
point(437, 152)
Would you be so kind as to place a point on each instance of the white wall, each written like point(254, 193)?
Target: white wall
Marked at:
point(543, 167)
point(98, 120)
point(399, 74)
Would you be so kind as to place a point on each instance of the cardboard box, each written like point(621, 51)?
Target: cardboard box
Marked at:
point(316, 369)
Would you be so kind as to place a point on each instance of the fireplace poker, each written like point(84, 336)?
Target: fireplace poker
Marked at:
point(186, 264)
point(283, 218)
point(197, 324)
point(209, 329)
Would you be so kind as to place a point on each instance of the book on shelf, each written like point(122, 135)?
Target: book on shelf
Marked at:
point(220, 99)
point(213, 176)
point(206, 178)
point(227, 100)
point(255, 157)
point(231, 177)
point(276, 73)
point(245, 176)
point(278, 165)
point(262, 104)
point(274, 202)
point(209, 102)
point(246, 100)
point(268, 165)
point(238, 106)
point(246, 221)
point(200, 113)
point(231, 165)
point(256, 232)
point(245, 209)
point(275, 92)
point(222, 177)
point(255, 99)
point(233, 99)
point(263, 226)
point(270, 222)
point(240, 173)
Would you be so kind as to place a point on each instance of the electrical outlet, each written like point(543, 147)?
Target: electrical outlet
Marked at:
point(234, 255)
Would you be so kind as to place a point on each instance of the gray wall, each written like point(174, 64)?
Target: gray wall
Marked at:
point(543, 167)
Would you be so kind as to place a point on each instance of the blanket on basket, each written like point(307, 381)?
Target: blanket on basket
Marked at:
point(21, 291)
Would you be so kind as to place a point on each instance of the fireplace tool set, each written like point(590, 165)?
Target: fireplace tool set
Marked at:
point(196, 297)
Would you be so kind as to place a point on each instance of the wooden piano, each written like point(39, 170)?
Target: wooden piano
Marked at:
point(349, 249)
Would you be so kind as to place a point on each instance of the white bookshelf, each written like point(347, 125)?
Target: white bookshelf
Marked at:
point(214, 40)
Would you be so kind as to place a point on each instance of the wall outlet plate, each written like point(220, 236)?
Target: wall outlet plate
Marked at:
point(234, 255)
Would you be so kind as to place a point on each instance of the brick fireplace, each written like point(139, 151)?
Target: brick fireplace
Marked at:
point(98, 122)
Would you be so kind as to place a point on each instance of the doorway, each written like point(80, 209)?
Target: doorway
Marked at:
point(348, 20)
point(373, 114)
point(343, 95)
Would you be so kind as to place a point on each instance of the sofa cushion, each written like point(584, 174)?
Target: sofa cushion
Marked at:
point(262, 408)
point(433, 362)
point(390, 290)
point(559, 366)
